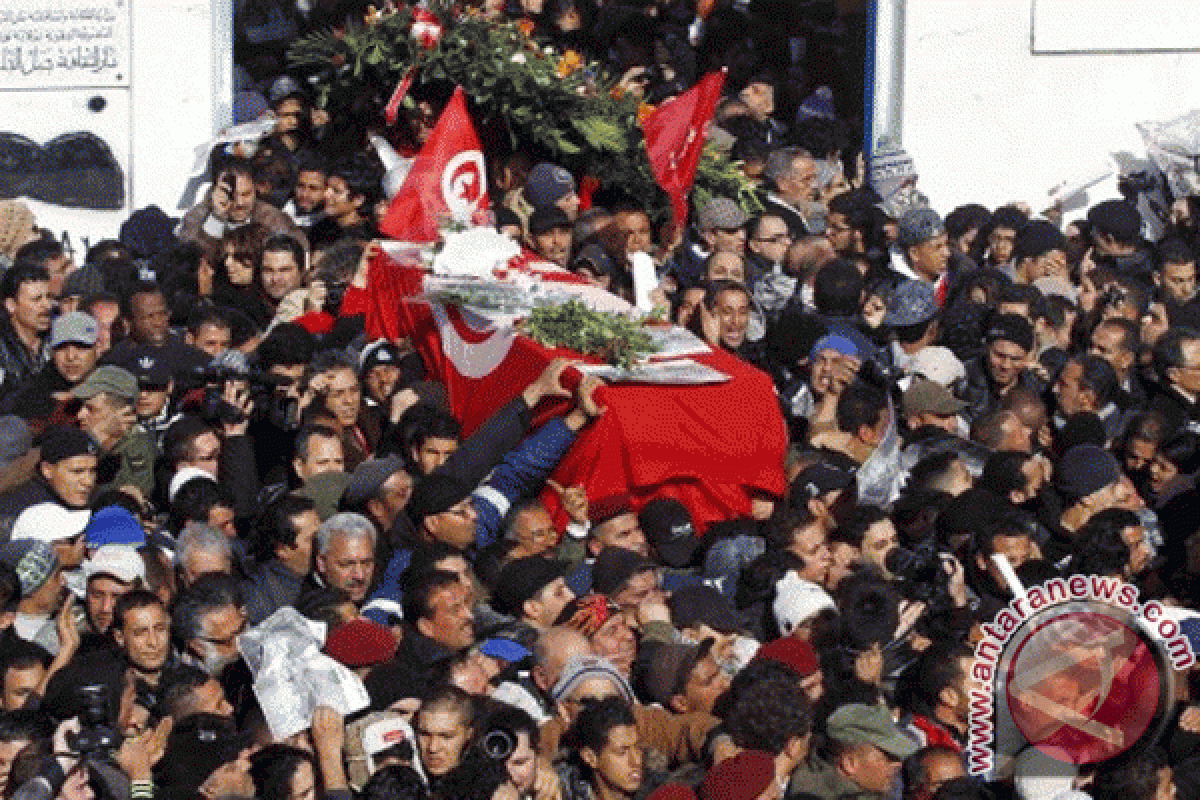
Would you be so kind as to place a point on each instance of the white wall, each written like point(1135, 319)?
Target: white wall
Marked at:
point(175, 96)
point(989, 121)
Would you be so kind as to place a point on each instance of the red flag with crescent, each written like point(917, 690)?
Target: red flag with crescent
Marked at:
point(675, 133)
point(447, 178)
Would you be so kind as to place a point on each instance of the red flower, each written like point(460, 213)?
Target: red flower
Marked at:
point(426, 28)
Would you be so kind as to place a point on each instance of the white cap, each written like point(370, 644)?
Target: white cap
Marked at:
point(49, 523)
point(118, 561)
point(183, 476)
point(797, 601)
point(1037, 776)
point(377, 736)
point(938, 364)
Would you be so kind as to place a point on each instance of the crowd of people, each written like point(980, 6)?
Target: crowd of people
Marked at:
point(198, 435)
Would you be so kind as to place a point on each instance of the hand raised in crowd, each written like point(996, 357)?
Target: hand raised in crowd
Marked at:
point(585, 396)
point(237, 395)
point(868, 665)
point(220, 196)
point(402, 401)
point(546, 785)
point(910, 612)
point(329, 741)
point(873, 311)
point(574, 501)
point(1154, 323)
point(362, 271)
point(68, 631)
point(548, 384)
point(328, 730)
point(139, 753)
point(317, 294)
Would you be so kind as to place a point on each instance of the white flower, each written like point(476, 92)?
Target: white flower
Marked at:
point(518, 58)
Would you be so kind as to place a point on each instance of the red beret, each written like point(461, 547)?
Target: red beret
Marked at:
point(361, 643)
point(792, 652)
point(743, 777)
point(673, 791)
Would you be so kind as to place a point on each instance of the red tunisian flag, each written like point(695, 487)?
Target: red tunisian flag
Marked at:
point(447, 177)
point(675, 138)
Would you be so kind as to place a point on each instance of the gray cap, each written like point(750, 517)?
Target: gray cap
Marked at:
point(913, 303)
point(918, 226)
point(369, 476)
point(721, 212)
point(862, 724)
point(110, 380)
point(15, 438)
point(74, 327)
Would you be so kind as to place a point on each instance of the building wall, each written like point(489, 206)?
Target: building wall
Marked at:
point(988, 120)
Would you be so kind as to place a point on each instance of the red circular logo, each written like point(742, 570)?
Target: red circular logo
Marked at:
point(1084, 684)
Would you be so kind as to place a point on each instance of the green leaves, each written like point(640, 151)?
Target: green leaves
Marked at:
point(547, 101)
point(615, 338)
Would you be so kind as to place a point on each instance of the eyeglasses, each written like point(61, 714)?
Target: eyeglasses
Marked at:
point(778, 238)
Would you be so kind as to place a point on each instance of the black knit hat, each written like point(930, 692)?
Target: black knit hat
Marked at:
point(65, 442)
point(522, 579)
point(1010, 328)
point(1085, 469)
point(434, 494)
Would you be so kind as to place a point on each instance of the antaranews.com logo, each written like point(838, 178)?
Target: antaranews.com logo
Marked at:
point(1077, 668)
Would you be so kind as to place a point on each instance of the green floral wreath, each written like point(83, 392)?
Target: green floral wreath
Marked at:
point(557, 102)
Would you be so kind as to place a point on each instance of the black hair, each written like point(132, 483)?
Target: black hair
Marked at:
point(283, 243)
point(19, 726)
point(395, 782)
point(133, 600)
point(1168, 350)
point(837, 289)
point(363, 176)
point(10, 589)
point(175, 685)
point(1002, 472)
point(1173, 250)
point(1135, 779)
point(287, 344)
point(419, 594)
point(964, 218)
point(1099, 547)
point(1099, 377)
point(277, 524)
point(935, 670)
point(854, 527)
point(933, 471)
point(1183, 451)
point(860, 405)
point(37, 253)
point(15, 277)
point(596, 722)
point(273, 767)
point(196, 499)
point(769, 714)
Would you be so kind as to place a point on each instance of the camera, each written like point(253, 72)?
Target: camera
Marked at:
point(921, 574)
point(499, 744)
point(97, 738)
point(277, 408)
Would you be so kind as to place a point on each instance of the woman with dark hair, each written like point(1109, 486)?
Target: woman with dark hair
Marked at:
point(1174, 466)
point(283, 772)
point(236, 258)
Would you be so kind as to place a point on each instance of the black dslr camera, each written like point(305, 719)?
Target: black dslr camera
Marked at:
point(97, 738)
